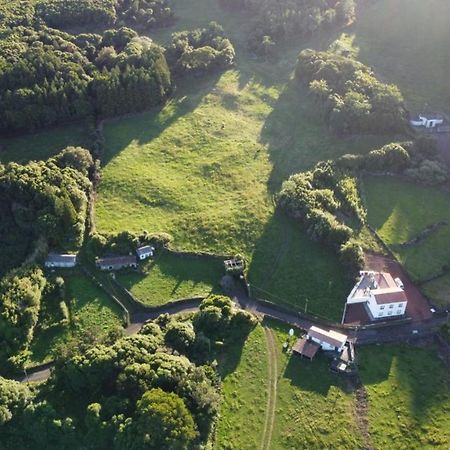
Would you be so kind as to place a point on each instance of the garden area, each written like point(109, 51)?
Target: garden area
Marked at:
point(91, 312)
point(171, 277)
point(401, 211)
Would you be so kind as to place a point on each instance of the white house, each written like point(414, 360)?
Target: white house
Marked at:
point(380, 293)
point(145, 252)
point(60, 260)
point(429, 120)
point(327, 339)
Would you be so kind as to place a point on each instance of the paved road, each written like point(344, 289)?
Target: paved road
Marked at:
point(392, 333)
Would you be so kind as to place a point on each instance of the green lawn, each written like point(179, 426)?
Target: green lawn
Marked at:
point(409, 402)
point(405, 41)
point(171, 277)
point(244, 394)
point(41, 145)
point(399, 211)
point(90, 308)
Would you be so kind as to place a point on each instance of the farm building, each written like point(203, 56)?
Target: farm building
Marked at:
point(430, 120)
point(116, 262)
point(318, 338)
point(60, 260)
point(147, 251)
point(381, 295)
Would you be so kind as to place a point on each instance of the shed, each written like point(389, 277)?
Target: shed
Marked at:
point(60, 260)
point(327, 339)
point(305, 347)
point(116, 262)
point(144, 252)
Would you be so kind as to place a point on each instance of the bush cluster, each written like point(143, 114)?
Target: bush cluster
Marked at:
point(322, 199)
point(200, 51)
point(351, 98)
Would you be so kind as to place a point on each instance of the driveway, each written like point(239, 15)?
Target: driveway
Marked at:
point(418, 307)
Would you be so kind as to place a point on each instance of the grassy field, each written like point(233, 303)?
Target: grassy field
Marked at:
point(205, 167)
point(41, 145)
point(404, 41)
point(171, 277)
point(399, 211)
point(244, 395)
point(409, 402)
point(90, 309)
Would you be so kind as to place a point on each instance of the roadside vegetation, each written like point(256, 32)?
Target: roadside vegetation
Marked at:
point(172, 277)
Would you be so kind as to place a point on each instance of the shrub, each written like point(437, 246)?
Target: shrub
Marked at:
point(428, 172)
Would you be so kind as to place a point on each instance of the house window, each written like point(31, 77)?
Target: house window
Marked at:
point(399, 311)
point(380, 314)
point(391, 306)
point(400, 305)
point(382, 307)
point(390, 313)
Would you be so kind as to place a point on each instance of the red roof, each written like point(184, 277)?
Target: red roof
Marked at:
point(383, 296)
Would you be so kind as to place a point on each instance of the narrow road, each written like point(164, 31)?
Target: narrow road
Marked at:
point(272, 388)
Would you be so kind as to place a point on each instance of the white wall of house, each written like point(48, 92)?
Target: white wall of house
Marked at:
point(387, 309)
point(325, 345)
point(145, 255)
point(422, 121)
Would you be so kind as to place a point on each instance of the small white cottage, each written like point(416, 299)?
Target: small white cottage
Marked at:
point(329, 340)
point(429, 120)
point(144, 252)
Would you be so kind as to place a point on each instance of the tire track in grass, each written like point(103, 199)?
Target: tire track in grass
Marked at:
point(272, 389)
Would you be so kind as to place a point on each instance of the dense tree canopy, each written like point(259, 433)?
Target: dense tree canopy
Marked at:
point(352, 99)
point(278, 21)
point(138, 393)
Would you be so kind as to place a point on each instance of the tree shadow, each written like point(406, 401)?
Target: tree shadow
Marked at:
point(148, 125)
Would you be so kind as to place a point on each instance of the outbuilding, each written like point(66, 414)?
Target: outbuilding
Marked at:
point(116, 262)
point(144, 252)
point(60, 260)
point(428, 120)
point(328, 340)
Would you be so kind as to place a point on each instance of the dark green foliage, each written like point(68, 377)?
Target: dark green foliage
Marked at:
point(278, 21)
point(428, 172)
point(351, 98)
point(20, 302)
point(200, 51)
point(180, 336)
point(42, 201)
point(75, 157)
point(162, 421)
point(14, 397)
point(138, 13)
point(61, 13)
point(352, 257)
point(48, 76)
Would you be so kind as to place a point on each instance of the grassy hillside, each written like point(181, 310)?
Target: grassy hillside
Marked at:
point(400, 211)
point(405, 42)
point(409, 402)
point(205, 167)
point(171, 277)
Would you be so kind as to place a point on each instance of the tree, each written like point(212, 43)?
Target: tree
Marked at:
point(162, 421)
point(180, 336)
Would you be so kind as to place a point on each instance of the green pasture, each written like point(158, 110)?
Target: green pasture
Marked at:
point(408, 397)
point(171, 277)
point(400, 210)
point(41, 145)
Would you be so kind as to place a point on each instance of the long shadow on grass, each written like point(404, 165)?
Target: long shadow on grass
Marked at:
point(288, 268)
point(416, 370)
point(147, 126)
